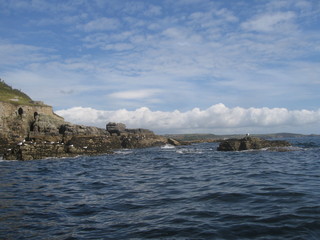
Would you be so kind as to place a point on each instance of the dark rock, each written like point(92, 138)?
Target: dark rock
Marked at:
point(141, 140)
point(139, 131)
point(44, 124)
point(94, 144)
point(69, 129)
point(248, 143)
point(37, 150)
point(115, 128)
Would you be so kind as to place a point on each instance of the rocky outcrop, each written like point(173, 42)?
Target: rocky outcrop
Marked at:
point(45, 136)
point(249, 143)
point(80, 145)
point(31, 130)
point(116, 128)
point(17, 121)
point(174, 142)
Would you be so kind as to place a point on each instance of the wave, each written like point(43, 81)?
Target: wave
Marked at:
point(190, 151)
point(168, 146)
point(124, 152)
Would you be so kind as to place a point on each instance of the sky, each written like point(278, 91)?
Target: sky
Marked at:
point(172, 66)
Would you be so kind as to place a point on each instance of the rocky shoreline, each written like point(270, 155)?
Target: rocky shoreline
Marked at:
point(45, 140)
point(33, 131)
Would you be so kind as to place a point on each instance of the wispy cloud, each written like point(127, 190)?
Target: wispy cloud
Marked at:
point(163, 55)
point(100, 24)
point(270, 22)
point(20, 54)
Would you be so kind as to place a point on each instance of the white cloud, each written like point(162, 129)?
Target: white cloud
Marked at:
point(269, 22)
point(217, 119)
point(135, 94)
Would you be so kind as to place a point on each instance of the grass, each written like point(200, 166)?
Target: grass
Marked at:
point(14, 96)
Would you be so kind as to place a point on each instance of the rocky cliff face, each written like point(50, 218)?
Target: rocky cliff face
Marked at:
point(16, 121)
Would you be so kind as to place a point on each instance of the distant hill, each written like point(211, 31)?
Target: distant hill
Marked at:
point(280, 135)
point(193, 137)
point(204, 137)
point(14, 96)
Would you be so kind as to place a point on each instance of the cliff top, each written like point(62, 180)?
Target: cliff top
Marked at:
point(15, 96)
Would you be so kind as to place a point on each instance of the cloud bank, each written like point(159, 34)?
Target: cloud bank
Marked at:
point(216, 119)
point(164, 55)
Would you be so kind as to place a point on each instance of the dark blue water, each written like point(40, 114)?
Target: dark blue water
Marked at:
point(190, 192)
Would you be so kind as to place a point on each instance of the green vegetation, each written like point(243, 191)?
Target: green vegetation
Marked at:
point(14, 96)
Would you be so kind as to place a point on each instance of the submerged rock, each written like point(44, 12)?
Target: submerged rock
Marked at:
point(249, 143)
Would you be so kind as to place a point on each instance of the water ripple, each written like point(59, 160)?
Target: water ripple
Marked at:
point(188, 192)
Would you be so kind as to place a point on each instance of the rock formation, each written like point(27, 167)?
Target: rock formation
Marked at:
point(49, 138)
point(30, 130)
point(248, 143)
point(116, 128)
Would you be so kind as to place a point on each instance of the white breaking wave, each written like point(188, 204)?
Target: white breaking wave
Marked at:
point(168, 146)
point(190, 151)
point(123, 152)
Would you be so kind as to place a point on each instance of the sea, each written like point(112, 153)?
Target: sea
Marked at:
point(185, 192)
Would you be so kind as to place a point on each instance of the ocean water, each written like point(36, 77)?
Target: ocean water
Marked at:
point(187, 192)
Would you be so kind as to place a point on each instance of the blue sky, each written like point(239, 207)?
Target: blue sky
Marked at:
point(171, 65)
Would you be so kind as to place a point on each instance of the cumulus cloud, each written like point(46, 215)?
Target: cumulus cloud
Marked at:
point(217, 118)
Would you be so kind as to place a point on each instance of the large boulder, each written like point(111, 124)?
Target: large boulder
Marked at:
point(173, 142)
point(249, 143)
point(45, 124)
point(115, 128)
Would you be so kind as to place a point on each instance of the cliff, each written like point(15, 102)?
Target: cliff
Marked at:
point(31, 130)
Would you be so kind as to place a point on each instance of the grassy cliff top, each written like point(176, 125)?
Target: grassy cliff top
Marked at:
point(14, 96)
